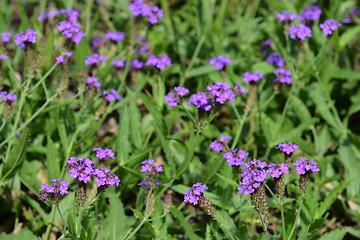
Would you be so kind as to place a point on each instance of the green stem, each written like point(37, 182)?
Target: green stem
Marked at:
point(242, 122)
point(78, 225)
point(58, 208)
point(190, 116)
point(224, 228)
point(50, 223)
point(297, 217)
point(263, 224)
point(44, 77)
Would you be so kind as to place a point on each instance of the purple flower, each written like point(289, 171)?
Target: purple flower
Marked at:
point(104, 178)
point(329, 26)
point(252, 76)
point(220, 145)
point(147, 166)
point(299, 31)
point(104, 154)
point(138, 8)
point(8, 98)
point(6, 37)
point(94, 60)
point(71, 30)
point(192, 195)
point(80, 169)
point(93, 82)
point(312, 13)
point(220, 62)
point(175, 97)
point(120, 63)
point(238, 90)
point(353, 13)
point(136, 64)
point(275, 59)
point(110, 97)
point(287, 148)
point(276, 170)
point(268, 43)
point(53, 193)
point(221, 92)
point(115, 36)
point(63, 59)
point(96, 42)
point(287, 17)
point(158, 61)
point(235, 157)
point(254, 173)
point(305, 165)
point(200, 100)
point(26, 37)
point(68, 13)
point(3, 57)
point(283, 76)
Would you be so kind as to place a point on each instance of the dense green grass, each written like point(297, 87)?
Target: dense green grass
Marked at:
point(319, 112)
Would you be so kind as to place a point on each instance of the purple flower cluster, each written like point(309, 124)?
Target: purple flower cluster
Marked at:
point(287, 148)
point(329, 26)
point(277, 170)
point(5, 37)
point(311, 13)
point(268, 43)
point(147, 167)
point(220, 62)
point(143, 47)
point(115, 36)
point(218, 93)
point(353, 13)
point(94, 60)
point(53, 193)
point(119, 63)
point(104, 154)
point(235, 157)
point(25, 37)
point(158, 61)
point(238, 89)
point(68, 13)
point(80, 169)
point(71, 30)
point(287, 17)
point(145, 183)
point(104, 178)
point(299, 31)
point(305, 165)
point(136, 64)
point(220, 145)
point(63, 58)
point(93, 82)
point(275, 59)
point(252, 76)
point(254, 174)
point(175, 97)
point(8, 97)
point(138, 8)
point(193, 195)
point(283, 76)
point(3, 57)
point(110, 97)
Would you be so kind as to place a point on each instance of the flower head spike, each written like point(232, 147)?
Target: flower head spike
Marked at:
point(221, 92)
point(94, 60)
point(23, 38)
point(200, 100)
point(80, 169)
point(286, 17)
point(54, 193)
point(220, 145)
point(235, 157)
point(275, 59)
point(175, 97)
point(63, 58)
point(329, 26)
point(93, 83)
point(158, 61)
point(304, 167)
point(283, 76)
point(104, 178)
point(220, 62)
point(104, 154)
point(195, 195)
point(252, 76)
point(151, 171)
point(112, 96)
point(299, 31)
point(8, 98)
point(71, 30)
point(311, 13)
point(287, 148)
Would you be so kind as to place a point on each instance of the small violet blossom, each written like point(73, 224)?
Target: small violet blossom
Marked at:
point(254, 174)
point(69, 13)
point(138, 8)
point(147, 167)
point(71, 30)
point(268, 43)
point(311, 13)
point(25, 38)
point(158, 61)
point(93, 83)
point(286, 17)
point(329, 26)
point(5, 37)
point(112, 96)
point(8, 98)
point(235, 157)
point(115, 36)
point(94, 60)
point(353, 13)
point(63, 58)
point(3, 57)
point(220, 145)
point(53, 193)
point(220, 62)
point(299, 31)
point(252, 76)
point(276, 170)
point(104, 154)
point(104, 178)
point(193, 195)
point(283, 76)
point(136, 64)
point(287, 148)
point(81, 169)
point(275, 59)
point(305, 165)
point(119, 63)
point(175, 97)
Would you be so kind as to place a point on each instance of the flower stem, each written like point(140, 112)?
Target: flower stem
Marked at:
point(297, 216)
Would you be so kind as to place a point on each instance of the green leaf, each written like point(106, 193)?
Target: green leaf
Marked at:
point(199, 71)
point(135, 123)
point(329, 199)
point(116, 219)
point(189, 232)
point(165, 145)
point(52, 160)
point(346, 37)
point(16, 157)
point(346, 74)
point(337, 234)
point(189, 154)
point(48, 51)
point(227, 225)
point(23, 234)
point(124, 131)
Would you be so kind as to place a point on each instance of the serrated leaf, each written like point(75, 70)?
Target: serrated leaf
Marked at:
point(329, 199)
